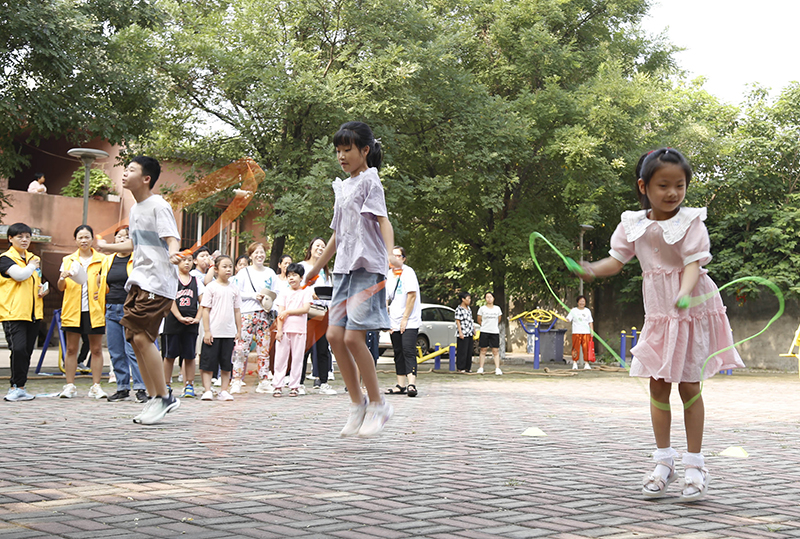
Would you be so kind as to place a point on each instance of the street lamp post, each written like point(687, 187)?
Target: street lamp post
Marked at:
point(584, 228)
point(88, 156)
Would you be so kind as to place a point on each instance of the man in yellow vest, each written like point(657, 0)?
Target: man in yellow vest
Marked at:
point(21, 306)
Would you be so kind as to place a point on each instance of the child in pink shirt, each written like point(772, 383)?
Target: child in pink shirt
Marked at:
point(292, 305)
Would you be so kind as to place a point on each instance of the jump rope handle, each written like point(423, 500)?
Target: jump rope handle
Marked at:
point(574, 267)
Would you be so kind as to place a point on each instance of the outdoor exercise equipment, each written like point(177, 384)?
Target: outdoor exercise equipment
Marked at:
point(531, 322)
point(791, 352)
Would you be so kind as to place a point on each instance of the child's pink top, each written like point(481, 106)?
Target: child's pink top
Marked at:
point(221, 300)
point(295, 299)
point(674, 343)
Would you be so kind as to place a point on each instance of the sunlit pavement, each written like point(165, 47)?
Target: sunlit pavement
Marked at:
point(451, 463)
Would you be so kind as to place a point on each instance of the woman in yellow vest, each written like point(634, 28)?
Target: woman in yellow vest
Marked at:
point(21, 309)
point(83, 310)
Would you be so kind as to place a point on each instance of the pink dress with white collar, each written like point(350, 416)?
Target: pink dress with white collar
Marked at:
point(675, 343)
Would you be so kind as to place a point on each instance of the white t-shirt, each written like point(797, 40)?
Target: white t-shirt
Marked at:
point(490, 319)
point(250, 282)
point(322, 280)
point(580, 318)
point(151, 221)
point(397, 293)
point(221, 300)
point(84, 262)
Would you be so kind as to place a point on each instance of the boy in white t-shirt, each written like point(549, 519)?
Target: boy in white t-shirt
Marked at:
point(153, 282)
point(489, 317)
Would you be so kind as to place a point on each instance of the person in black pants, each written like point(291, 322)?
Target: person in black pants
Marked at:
point(405, 314)
point(22, 309)
point(466, 330)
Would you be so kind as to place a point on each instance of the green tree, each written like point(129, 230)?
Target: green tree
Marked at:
point(73, 69)
point(753, 194)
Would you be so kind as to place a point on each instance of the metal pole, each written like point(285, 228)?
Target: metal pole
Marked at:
point(580, 284)
point(87, 162)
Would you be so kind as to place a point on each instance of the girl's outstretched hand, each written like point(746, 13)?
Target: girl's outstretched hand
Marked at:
point(585, 271)
point(683, 302)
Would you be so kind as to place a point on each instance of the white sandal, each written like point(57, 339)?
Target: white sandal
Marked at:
point(659, 482)
point(692, 491)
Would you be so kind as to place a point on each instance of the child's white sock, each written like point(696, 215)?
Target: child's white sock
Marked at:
point(666, 454)
point(694, 459)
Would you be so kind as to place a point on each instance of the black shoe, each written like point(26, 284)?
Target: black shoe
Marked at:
point(120, 395)
point(317, 383)
point(141, 396)
point(83, 369)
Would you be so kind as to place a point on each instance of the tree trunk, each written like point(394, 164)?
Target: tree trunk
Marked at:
point(276, 252)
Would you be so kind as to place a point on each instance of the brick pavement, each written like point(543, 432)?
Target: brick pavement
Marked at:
point(451, 464)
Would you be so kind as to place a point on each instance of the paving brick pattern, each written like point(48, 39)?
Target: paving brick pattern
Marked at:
point(450, 464)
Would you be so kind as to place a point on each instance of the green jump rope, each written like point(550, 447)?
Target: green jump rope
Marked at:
point(683, 303)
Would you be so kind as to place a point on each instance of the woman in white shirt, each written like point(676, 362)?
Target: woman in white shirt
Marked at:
point(319, 351)
point(582, 328)
point(489, 317)
point(405, 313)
point(255, 320)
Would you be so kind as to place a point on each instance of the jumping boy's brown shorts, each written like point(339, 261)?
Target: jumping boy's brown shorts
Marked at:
point(143, 313)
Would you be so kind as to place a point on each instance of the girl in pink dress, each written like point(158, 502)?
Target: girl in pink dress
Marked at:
point(672, 245)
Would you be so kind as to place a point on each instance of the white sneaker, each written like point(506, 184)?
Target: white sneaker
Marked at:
point(326, 389)
point(330, 376)
point(180, 377)
point(574, 365)
point(498, 372)
point(160, 407)
point(480, 370)
point(146, 406)
point(236, 386)
point(264, 386)
point(68, 391)
point(587, 367)
point(97, 392)
point(216, 382)
point(112, 377)
point(207, 396)
point(301, 390)
point(224, 396)
point(355, 419)
point(376, 416)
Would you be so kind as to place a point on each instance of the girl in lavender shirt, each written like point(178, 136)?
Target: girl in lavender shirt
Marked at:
point(361, 236)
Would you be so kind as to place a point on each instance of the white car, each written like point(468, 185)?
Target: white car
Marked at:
point(438, 326)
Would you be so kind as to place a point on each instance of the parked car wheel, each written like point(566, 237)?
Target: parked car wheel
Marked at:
point(423, 344)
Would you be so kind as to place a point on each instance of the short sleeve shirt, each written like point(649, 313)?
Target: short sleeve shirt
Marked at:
point(221, 300)
point(151, 222)
point(490, 319)
point(580, 318)
point(464, 316)
point(359, 243)
point(294, 299)
point(397, 290)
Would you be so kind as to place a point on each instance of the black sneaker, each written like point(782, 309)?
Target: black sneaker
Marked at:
point(120, 395)
point(317, 383)
point(141, 396)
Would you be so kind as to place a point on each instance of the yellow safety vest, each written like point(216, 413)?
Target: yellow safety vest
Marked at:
point(19, 300)
point(71, 304)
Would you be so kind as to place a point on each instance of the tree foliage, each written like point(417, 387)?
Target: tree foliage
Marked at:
point(497, 118)
point(753, 193)
point(74, 69)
